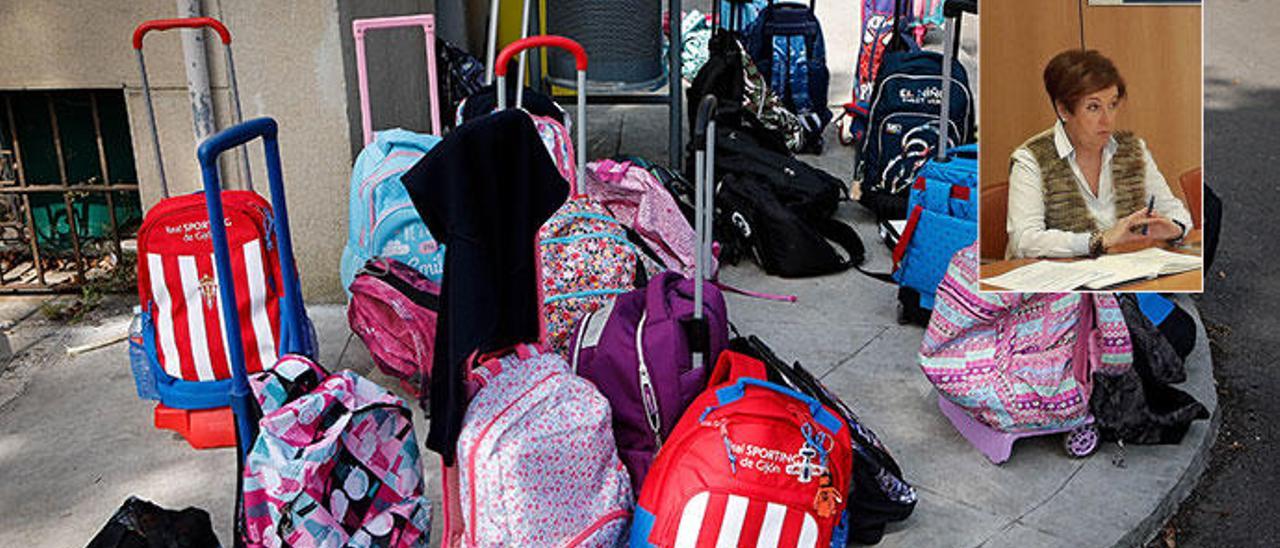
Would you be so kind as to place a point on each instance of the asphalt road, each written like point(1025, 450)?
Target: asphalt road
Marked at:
point(1236, 501)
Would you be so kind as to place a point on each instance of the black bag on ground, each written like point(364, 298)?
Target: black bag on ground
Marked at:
point(878, 495)
point(141, 524)
point(1139, 406)
point(754, 222)
point(1212, 225)
point(776, 209)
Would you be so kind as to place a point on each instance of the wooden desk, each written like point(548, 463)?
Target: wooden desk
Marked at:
point(1185, 282)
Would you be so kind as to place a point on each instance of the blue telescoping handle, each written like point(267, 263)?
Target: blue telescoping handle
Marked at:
point(737, 390)
point(291, 318)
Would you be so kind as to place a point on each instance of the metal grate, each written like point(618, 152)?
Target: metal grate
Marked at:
point(61, 166)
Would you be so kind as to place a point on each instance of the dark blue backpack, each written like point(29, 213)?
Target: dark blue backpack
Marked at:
point(785, 42)
point(902, 126)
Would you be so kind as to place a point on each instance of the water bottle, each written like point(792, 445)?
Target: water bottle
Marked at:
point(143, 380)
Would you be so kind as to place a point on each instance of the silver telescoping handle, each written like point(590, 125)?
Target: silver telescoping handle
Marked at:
point(704, 160)
point(237, 117)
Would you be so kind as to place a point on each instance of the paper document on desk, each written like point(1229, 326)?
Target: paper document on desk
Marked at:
point(1046, 276)
point(1139, 265)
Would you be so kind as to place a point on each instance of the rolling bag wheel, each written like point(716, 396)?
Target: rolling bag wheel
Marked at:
point(1081, 441)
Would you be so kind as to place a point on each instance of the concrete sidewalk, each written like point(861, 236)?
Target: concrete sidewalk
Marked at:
point(75, 441)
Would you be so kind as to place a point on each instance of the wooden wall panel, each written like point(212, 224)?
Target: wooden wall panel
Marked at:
point(1158, 51)
point(1016, 39)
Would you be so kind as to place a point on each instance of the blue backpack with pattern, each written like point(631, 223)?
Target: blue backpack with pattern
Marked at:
point(785, 41)
point(382, 219)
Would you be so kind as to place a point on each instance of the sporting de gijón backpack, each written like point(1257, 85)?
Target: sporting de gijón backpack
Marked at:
point(178, 287)
point(751, 463)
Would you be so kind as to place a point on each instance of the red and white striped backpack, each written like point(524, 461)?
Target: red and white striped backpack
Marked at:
point(751, 463)
point(178, 288)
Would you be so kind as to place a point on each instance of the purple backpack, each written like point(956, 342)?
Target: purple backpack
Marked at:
point(393, 310)
point(649, 351)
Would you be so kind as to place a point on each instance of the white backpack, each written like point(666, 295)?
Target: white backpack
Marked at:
point(537, 462)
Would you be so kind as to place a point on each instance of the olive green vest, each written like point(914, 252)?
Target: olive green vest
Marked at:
point(1064, 207)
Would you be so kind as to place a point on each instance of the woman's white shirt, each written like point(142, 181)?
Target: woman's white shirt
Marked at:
point(1028, 236)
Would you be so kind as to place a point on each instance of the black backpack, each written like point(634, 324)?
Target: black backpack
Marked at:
point(776, 209)
point(461, 75)
point(878, 494)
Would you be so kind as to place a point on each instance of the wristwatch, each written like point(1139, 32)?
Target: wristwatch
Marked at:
point(1095, 244)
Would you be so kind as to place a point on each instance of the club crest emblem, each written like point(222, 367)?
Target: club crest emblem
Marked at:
point(209, 291)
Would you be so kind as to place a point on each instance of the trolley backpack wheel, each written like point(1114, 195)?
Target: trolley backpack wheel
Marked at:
point(1081, 441)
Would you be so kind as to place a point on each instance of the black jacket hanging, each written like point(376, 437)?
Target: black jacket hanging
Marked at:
point(484, 191)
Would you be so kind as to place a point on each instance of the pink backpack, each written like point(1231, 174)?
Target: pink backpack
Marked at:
point(393, 310)
point(537, 465)
point(335, 463)
point(634, 196)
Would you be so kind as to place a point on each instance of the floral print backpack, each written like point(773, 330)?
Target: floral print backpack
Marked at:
point(587, 261)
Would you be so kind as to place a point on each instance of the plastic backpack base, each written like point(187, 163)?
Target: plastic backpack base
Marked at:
point(1080, 441)
point(202, 428)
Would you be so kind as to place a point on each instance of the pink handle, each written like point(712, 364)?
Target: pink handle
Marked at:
point(537, 42)
point(183, 23)
point(358, 29)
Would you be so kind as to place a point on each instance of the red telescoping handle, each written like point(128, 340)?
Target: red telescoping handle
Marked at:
point(183, 23)
point(504, 58)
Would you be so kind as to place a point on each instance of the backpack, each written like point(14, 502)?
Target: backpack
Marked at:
point(632, 192)
point(178, 289)
point(942, 219)
point(382, 221)
point(637, 352)
point(745, 99)
point(335, 463)
point(393, 310)
point(749, 460)
point(878, 494)
point(879, 34)
point(537, 461)
point(777, 210)
point(587, 261)
point(785, 41)
point(463, 76)
point(903, 126)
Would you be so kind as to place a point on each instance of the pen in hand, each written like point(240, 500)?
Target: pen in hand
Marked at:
point(1151, 203)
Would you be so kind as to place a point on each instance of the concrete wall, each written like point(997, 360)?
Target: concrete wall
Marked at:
point(294, 63)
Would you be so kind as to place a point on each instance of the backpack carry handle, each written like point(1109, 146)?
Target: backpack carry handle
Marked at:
point(737, 390)
point(580, 56)
point(358, 29)
point(139, 33)
point(291, 317)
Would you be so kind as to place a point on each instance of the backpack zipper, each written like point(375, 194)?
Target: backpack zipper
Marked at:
point(648, 395)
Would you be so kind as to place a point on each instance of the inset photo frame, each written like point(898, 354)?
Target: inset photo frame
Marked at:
point(1092, 146)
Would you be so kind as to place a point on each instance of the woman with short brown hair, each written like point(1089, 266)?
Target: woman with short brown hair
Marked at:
point(1081, 188)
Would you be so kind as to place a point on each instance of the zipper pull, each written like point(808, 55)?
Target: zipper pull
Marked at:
point(650, 398)
point(828, 499)
point(728, 447)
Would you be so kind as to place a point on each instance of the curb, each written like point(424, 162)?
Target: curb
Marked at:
point(1150, 526)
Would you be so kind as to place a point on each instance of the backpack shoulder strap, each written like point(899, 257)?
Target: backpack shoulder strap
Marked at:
point(845, 237)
